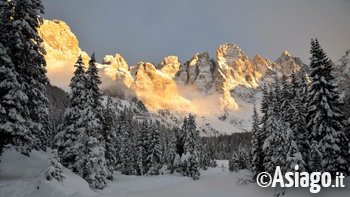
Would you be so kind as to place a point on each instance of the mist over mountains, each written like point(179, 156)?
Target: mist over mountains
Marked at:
point(224, 86)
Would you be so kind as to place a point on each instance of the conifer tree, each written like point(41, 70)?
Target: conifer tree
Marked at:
point(20, 39)
point(286, 99)
point(315, 158)
point(110, 135)
point(154, 152)
point(93, 82)
point(265, 104)
point(27, 55)
point(181, 137)
point(96, 170)
point(71, 140)
point(172, 150)
point(142, 147)
point(190, 160)
point(81, 145)
point(325, 120)
point(298, 122)
point(239, 160)
point(127, 158)
point(256, 149)
point(280, 148)
point(13, 126)
point(55, 170)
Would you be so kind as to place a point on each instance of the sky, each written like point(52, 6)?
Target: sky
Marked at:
point(148, 30)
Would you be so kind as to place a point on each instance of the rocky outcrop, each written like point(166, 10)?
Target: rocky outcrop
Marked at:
point(62, 51)
point(289, 64)
point(170, 65)
point(171, 84)
point(156, 89)
point(174, 85)
point(199, 72)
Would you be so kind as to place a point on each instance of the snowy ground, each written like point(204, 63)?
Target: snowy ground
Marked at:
point(23, 176)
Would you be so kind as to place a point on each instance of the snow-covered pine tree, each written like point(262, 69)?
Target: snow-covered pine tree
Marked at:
point(55, 170)
point(181, 138)
point(142, 147)
point(325, 120)
point(285, 97)
point(192, 135)
point(315, 158)
point(256, 148)
point(205, 160)
point(127, 163)
point(13, 126)
point(239, 160)
point(347, 131)
point(154, 152)
point(19, 38)
point(172, 150)
point(298, 121)
point(93, 82)
point(294, 156)
point(80, 143)
point(180, 135)
point(95, 167)
point(26, 52)
point(110, 135)
point(190, 160)
point(272, 127)
point(71, 140)
point(279, 148)
point(265, 104)
point(278, 94)
point(303, 91)
point(95, 170)
point(165, 144)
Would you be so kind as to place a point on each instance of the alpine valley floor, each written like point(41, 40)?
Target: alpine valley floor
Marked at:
point(24, 176)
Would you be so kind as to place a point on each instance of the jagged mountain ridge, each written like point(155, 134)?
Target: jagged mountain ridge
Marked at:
point(220, 91)
point(62, 51)
point(201, 76)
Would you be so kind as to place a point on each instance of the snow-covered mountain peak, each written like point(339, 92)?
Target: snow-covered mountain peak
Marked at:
point(112, 65)
point(285, 53)
point(170, 65)
point(228, 53)
point(62, 51)
point(287, 64)
point(210, 88)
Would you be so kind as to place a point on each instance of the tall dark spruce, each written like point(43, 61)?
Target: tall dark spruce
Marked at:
point(111, 136)
point(24, 62)
point(127, 164)
point(298, 119)
point(256, 149)
point(71, 139)
point(81, 144)
point(325, 120)
point(190, 158)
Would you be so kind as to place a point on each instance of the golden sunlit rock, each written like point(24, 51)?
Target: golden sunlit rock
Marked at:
point(201, 85)
point(62, 51)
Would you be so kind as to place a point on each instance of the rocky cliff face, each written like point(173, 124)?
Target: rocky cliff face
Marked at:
point(198, 83)
point(288, 64)
point(170, 65)
point(219, 90)
point(62, 48)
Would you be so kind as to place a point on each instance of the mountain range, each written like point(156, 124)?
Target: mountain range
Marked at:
point(220, 91)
